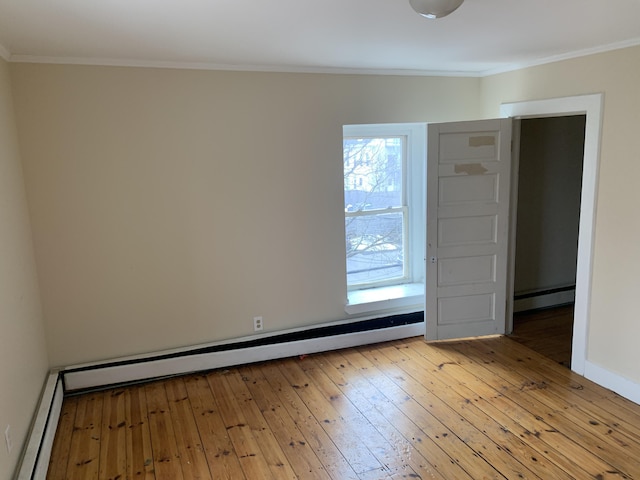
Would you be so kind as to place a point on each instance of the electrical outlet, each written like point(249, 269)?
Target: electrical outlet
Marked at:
point(7, 438)
point(257, 323)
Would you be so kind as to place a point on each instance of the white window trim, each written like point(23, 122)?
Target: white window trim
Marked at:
point(410, 294)
point(407, 297)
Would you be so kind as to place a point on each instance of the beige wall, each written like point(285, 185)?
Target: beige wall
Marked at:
point(614, 327)
point(23, 357)
point(170, 207)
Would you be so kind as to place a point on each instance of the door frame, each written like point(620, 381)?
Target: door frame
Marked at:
point(591, 106)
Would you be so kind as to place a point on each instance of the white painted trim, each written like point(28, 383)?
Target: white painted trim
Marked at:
point(592, 106)
point(513, 226)
point(617, 383)
point(35, 459)
point(406, 296)
point(76, 380)
point(408, 304)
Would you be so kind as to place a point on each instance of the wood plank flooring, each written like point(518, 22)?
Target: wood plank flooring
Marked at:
point(548, 332)
point(472, 409)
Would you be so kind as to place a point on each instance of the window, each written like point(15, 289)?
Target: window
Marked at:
point(384, 207)
point(375, 210)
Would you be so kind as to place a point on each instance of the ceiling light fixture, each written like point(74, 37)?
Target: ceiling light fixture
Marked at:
point(435, 8)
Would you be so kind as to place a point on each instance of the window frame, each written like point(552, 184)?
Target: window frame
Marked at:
point(414, 193)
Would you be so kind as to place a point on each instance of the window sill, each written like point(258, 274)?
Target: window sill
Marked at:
point(385, 298)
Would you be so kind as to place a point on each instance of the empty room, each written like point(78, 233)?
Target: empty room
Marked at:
point(196, 281)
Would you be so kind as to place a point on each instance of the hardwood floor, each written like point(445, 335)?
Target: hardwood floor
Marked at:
point(472, 409)
point(547, 331)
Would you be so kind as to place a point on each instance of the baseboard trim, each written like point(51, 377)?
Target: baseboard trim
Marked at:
point(617, 383)
point(35, 458)
point(165, 364)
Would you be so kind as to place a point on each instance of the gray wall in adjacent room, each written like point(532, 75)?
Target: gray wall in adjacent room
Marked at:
point(549, 183)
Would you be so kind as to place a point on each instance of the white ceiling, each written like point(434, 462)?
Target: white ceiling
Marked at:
point(482, 36)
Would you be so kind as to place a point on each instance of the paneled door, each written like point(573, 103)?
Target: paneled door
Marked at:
point(468, 188)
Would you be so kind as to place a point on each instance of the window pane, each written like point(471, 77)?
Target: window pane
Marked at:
point(375, 248)
point(372, 173)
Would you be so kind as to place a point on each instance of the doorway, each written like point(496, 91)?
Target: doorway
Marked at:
point(591, 107)
point(551, 153)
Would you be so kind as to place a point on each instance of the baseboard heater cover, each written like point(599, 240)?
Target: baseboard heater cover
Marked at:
point(331, 337)
point(544, 299)
point(34, 463)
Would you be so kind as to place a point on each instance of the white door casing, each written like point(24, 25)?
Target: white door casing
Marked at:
point(592, 106)
point(468, 182)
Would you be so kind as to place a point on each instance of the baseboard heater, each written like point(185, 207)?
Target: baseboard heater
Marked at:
point(37, 450)
point(100, 376)
point(551, 297)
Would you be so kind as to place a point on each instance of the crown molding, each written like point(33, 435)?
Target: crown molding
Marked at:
point(119, 62)
point(634, 42)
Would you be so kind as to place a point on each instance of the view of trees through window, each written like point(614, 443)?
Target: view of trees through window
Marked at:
point(375, 210)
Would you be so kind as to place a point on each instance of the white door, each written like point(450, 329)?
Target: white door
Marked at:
point(468, 187)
